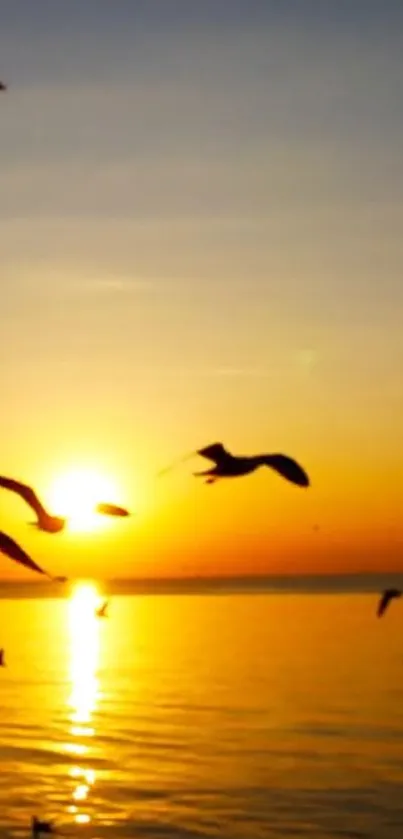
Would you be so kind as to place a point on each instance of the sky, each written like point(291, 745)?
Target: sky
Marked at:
point(201, 215)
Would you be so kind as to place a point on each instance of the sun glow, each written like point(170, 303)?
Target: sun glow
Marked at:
point(75, 495)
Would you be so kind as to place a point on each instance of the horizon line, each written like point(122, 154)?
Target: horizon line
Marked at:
point(212, 581)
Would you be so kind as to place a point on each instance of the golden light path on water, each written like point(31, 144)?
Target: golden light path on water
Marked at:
point(84, 658)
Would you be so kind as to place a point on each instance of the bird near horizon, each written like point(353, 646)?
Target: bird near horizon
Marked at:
point(233, 466)
point(13, 551)
point(388, 595)
point(38, 826)
point(102, 611)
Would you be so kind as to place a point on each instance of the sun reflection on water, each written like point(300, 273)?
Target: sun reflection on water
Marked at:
point(84, 658)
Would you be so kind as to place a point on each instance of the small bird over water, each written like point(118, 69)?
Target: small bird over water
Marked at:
point(38, 827)
point(231, 466)
point(388, 595)
point(45, 522)
point(102, 611)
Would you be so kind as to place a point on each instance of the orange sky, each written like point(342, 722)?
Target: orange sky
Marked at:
point(204, 243)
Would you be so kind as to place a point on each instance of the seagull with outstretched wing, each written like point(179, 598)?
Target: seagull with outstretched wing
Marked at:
point(45, 521)
point(232, 466)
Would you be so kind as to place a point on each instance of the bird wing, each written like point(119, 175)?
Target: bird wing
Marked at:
point(10, 548)
point(287, 468)
point(215, 452)
point(111, 510)
point(387, 596)
point(25, 492)
point(383, 603)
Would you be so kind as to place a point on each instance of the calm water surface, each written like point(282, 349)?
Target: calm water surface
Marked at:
point(231, 716)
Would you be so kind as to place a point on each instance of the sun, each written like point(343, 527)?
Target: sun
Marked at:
point(75, 495)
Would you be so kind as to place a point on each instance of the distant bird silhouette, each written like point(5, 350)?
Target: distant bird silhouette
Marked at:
point(3, 86)
point(111, 510)
point(38, 827)
point(231, 466)
point(102, 611)
point(13, 551)
point(45, 522)
point(2, 662)
point(388, 595)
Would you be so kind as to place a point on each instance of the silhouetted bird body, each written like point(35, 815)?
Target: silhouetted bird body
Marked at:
point(2, 662)
point(3, 86)
point(388, 595)
point(111, 510)
point(230, 466)
point(45, 522)
point(102, 611)
point(38, 827)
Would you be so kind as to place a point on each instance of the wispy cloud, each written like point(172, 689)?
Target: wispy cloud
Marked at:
point(303, 361)
point(116, 285)
point(307, 359)
point(72, 279)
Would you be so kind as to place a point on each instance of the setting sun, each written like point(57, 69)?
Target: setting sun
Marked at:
point(75, 495)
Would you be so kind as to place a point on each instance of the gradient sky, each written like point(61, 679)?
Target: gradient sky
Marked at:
point(201, 239)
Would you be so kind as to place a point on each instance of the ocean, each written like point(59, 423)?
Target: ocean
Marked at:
point(213, 715)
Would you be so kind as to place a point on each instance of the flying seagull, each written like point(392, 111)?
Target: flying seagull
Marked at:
point(46, 522)
point(111, 510)
point(230, 466)
point(102, 611)
point(387, 596)
point(2, 662)
point(13, 551)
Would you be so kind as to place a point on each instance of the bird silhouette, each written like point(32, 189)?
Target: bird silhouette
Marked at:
point(12, 550)
point(45, 522)
point(38, 826)
point(3, 86)
point(102, 611)
point(111, 510)
point(388, 595)
point(231, 466)
point(2, 662)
